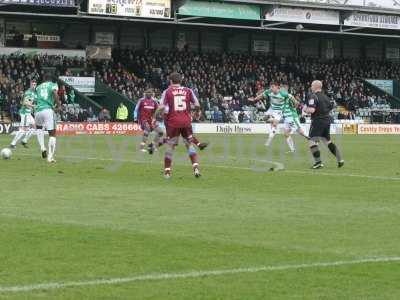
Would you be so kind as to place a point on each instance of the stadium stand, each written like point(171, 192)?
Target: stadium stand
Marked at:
point(16, 72)
point(223, 82)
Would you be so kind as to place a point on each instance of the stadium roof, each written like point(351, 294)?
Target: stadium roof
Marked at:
point(199, 21)
point(376, 6)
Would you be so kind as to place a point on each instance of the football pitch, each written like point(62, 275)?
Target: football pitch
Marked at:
point(103, 223)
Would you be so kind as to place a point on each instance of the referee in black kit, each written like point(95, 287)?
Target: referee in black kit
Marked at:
point(319, 106)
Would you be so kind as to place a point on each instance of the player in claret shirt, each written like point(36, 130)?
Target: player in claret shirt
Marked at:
point(145, 114)
point(176, 102)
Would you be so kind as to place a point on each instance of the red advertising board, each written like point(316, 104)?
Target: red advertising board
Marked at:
point(94, 128)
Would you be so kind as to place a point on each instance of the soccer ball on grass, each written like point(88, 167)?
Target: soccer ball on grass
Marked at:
point(6, 153)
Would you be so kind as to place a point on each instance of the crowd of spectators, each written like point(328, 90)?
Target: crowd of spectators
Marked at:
point(75, 113)
point(217, 76)
point(223, 82)
point(16, 73)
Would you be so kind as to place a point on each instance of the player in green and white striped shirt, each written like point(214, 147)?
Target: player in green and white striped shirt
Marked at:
point(291, 119)
point(47, 102)
point(27, 124)
point(277, 99)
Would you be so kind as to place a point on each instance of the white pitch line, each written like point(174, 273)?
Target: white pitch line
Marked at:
point(192, 274)
point(316, 172)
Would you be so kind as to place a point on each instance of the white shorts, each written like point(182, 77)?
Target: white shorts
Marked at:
point(292, 124)
point(46, 119)
point(27, 120)
point(275, 114)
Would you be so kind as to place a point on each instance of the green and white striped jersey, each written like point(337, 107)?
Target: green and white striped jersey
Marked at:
point(29, 96)
point(289, 108)
point(277, 101)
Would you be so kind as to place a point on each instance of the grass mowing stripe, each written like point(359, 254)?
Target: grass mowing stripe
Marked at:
point(280, 167)
point(191, 274)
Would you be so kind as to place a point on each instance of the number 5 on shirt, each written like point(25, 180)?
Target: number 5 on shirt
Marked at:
point(179, 103)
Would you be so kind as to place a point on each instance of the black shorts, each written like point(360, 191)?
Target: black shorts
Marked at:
point(320, 128)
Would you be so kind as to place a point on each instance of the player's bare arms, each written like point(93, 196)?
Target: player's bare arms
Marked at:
point(259, 97)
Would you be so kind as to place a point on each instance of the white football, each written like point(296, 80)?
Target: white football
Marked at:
point(6, 153)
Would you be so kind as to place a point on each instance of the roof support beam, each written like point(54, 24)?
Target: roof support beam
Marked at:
point(85, 17)
point(351, 29)
point(187, 18)
point(272, 24)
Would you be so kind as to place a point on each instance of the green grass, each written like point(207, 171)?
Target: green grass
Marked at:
point(105, 211)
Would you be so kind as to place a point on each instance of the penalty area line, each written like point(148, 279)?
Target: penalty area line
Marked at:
point(191, 274)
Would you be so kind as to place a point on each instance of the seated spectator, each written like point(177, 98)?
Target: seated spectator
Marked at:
point(71, 96)
point(33, 40)
point(72, 115)
point(64, 115)
point(217, 115)
point(91, 115)
point(104, 115)
point(82, 115)
point(197, 118)
point(241, 117)
point(2, 100)
point(246, 118)
point(62, 93)
point(14, 111)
